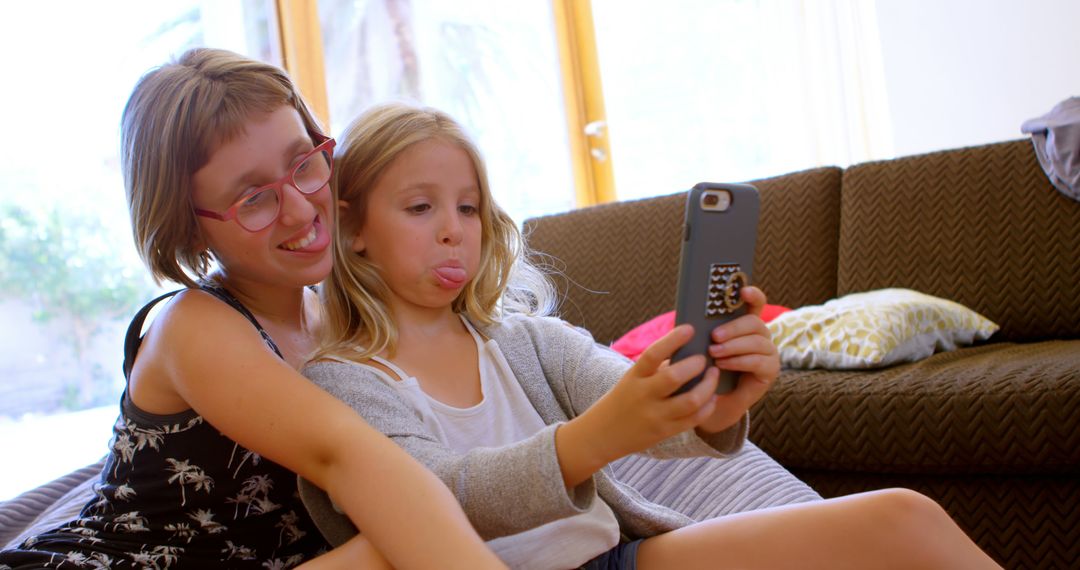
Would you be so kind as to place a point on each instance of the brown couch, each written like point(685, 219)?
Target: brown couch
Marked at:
point(991, 431)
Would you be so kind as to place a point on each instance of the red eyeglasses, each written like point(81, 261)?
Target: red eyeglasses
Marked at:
point(259, 208)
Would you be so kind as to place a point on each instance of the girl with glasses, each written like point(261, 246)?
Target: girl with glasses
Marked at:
point(227, 175)
point(434, 335)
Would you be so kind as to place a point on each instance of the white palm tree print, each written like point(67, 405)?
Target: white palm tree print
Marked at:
point(186, 474)
point(279, 564)
point(159, 557)
point(123, 493)
point(177, 428)
point(258, 485)
point(87, 535)
point(254, 492)
point(248, 454)
point(289, 528)
point(205, 518)
point(131, 522)
point(100, 561)
point(74, 558)
point(237, 551)
point(130, 438)
point(264, 505)
point(182, 531)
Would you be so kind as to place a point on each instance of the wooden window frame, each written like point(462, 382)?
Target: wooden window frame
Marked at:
point(300, 37)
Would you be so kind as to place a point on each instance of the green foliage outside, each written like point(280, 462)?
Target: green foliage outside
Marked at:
point(62, 264)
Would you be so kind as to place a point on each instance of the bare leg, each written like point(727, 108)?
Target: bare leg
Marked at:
point(356, 554)
point(894, 528)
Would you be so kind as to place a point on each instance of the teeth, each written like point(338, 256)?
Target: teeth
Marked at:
point(302, 242)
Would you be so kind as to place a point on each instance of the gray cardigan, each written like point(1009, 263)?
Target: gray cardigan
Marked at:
point(517, 487)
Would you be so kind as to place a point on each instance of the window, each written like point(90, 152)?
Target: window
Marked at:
point(70, 278)
point(719, 90)
point(492, 65)
point(732, 90)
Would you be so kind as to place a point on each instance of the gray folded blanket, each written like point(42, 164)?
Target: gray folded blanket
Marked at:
point(48, 506)
point(1056, 136)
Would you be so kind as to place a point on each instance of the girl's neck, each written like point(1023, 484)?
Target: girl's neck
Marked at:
point(424, 326)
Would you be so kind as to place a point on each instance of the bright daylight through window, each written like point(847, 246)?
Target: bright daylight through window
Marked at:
point(70, 278)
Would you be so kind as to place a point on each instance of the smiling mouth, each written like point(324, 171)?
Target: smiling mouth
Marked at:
point(302, 242)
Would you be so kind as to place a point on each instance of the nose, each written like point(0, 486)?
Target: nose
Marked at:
point(451, 231)
point(296, 207)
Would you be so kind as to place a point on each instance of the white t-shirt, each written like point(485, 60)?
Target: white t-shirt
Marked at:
point(504, 416)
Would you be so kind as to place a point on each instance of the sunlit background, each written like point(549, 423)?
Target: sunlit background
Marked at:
point(694, 90)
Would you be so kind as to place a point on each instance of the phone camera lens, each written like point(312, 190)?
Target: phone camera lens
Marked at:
point(711, 200)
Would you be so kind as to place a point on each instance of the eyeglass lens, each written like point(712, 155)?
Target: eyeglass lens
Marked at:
point(260, 209)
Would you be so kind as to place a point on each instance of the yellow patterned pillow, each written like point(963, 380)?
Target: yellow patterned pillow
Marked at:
point(875, 329)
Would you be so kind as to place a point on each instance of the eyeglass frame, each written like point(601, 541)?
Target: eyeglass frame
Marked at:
point(326, 144)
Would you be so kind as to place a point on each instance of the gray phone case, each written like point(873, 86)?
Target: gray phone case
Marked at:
point(717, 261)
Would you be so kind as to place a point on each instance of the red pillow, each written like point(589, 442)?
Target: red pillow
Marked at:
point(633, 343)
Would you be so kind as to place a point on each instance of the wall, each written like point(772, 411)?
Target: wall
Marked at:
point(967, 72)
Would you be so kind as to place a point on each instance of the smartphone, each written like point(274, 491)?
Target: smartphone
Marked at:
point(716, 262)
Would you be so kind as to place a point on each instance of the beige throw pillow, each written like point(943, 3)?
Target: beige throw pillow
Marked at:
point(875, 329)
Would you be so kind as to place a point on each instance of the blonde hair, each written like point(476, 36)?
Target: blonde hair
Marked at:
point(357, 321)
point(175, 117)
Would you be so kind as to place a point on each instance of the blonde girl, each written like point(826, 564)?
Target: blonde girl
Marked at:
point(434, 336)
point(227, 177)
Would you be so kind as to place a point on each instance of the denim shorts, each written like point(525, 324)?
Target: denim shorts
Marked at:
point(622, 557)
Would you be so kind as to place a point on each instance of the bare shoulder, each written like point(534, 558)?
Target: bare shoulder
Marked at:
point(193, 326)
point(197, 315)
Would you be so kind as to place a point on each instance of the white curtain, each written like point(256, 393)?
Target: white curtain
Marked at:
point(731, 90)
point(844, 81)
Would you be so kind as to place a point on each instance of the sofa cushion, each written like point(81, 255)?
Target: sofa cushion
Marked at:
point(875, 329)
point(996, 408)
point(637, 339)
point(617, 264)
point(981, 226)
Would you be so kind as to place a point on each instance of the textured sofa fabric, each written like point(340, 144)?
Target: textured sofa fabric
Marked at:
point(616, 264)
point(981, 226)
point(991, 431)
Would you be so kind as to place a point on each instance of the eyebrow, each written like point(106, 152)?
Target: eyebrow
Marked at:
point(249, 178)
point(430, 185)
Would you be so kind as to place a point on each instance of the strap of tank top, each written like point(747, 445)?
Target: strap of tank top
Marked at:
point(235, 303)
point(401, 375)
point(133, 338)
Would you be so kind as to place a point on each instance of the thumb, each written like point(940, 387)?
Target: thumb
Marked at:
point(661, 350)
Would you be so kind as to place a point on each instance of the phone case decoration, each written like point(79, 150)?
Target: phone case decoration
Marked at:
point(726, 281)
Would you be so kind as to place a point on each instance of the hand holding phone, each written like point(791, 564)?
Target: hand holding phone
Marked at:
point(716, 262)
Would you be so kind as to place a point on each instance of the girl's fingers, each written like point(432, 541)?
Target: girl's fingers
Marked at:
point(661, 350)
point(742, 326)
point(754, 298)
point(761, 366)
point(688, 403)
point(752, 344)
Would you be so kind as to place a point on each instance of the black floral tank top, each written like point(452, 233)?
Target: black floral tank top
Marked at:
point(176, 493)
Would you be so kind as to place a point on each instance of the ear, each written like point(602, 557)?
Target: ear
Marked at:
point(358, 239)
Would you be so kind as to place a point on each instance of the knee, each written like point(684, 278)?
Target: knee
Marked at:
point(909, 512)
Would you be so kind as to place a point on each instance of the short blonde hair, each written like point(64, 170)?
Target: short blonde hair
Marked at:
point(176, 115)
point(356, 312)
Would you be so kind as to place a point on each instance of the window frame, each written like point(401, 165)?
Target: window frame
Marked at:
point(300, 38)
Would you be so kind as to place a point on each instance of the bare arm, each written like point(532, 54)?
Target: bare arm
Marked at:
point(638, 412)
point(228, 376)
